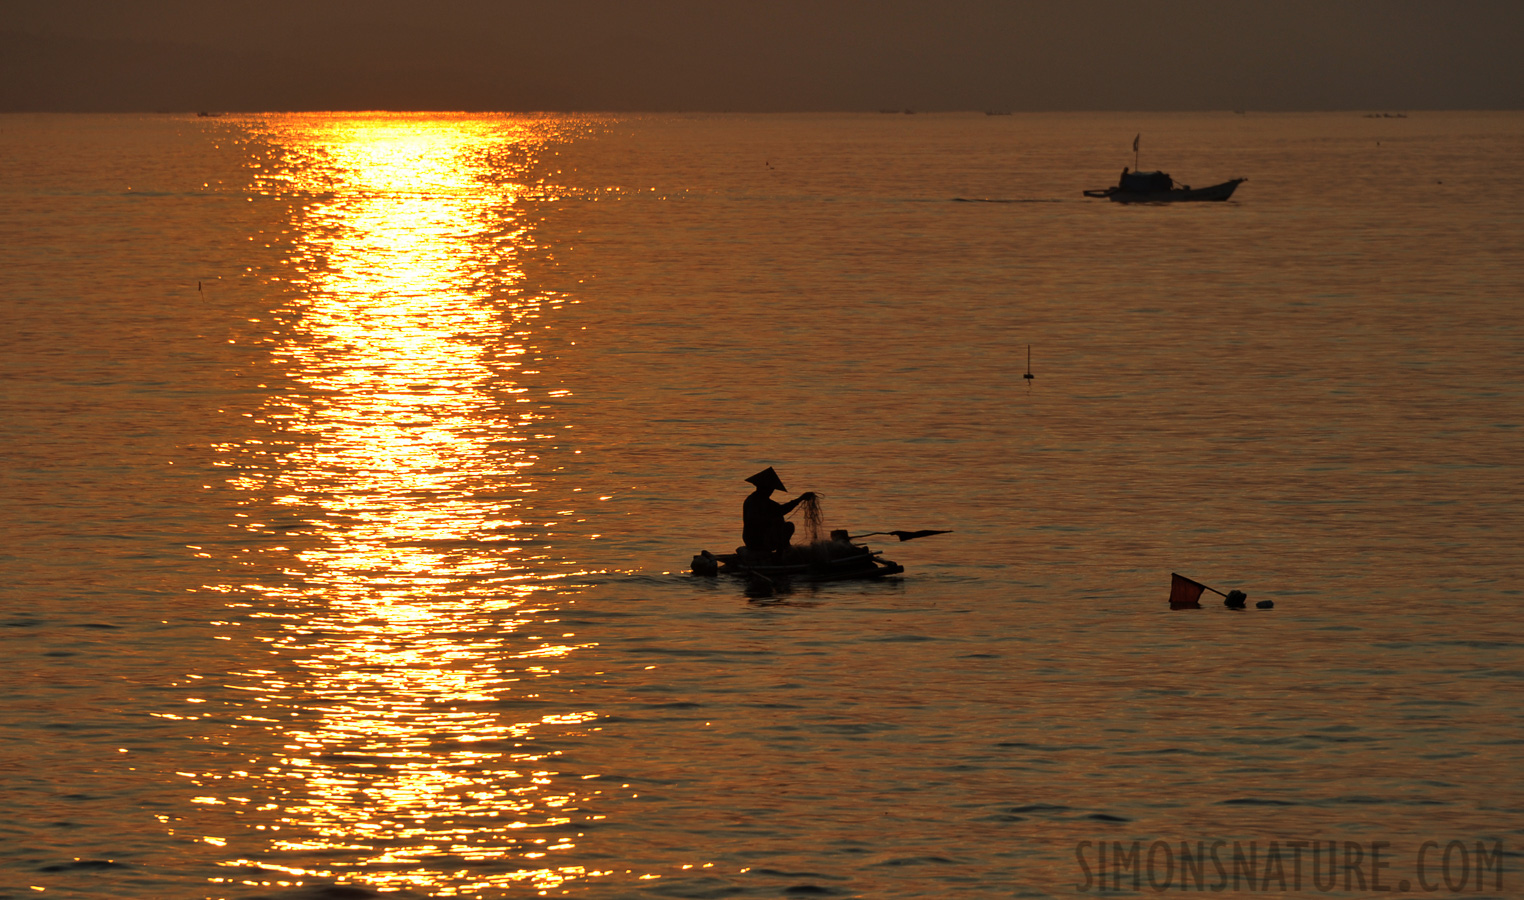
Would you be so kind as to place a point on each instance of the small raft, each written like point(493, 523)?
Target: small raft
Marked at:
point(834, 560)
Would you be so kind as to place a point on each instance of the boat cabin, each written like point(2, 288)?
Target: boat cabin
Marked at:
point(1142, 182)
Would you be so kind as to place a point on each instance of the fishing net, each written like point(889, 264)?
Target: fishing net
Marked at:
point(813, 520)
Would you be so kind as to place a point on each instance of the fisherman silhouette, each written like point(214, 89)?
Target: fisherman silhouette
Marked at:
point(763, 528)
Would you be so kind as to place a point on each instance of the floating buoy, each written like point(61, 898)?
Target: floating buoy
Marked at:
point(1185, 593)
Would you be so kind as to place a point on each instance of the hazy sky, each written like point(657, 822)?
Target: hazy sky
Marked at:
point(760, 55)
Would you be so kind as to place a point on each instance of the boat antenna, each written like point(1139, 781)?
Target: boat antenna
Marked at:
point(1136, 138)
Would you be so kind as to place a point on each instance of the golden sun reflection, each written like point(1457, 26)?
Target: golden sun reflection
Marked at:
point(407, 754)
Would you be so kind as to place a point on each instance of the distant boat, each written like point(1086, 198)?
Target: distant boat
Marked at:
point(1158, 187)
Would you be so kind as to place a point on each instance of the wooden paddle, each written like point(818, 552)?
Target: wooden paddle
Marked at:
point(902, 535)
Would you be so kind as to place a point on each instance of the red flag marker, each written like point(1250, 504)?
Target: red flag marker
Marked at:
point(1184, 593)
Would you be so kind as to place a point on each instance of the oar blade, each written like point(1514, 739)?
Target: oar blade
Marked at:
point(912, 535)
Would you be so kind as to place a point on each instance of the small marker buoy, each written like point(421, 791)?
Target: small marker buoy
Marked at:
point(1029, 376)
point(1265, 604)
point(1185, 593)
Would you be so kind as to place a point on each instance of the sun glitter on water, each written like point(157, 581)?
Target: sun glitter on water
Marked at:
point(400, 651)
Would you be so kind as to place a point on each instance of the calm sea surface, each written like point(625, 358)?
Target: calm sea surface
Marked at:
point(350, 468)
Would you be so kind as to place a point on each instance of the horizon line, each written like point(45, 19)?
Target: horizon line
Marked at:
point(992, 113)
